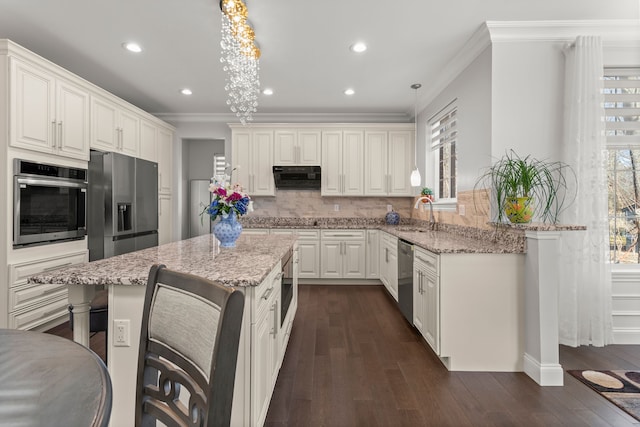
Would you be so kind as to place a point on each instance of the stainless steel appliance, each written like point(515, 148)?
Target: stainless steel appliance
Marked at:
point(49, 203)
point(199, 197)
point(405, 279)
point(123, 204)
point(286, 282)
point(297, 177)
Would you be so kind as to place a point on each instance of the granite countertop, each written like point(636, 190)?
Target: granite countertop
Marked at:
point(245, 265)
point(447, 239)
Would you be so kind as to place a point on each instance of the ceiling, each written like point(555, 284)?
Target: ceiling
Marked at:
point(305, 47)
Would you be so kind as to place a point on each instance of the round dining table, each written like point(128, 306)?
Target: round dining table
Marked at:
point(46, 380)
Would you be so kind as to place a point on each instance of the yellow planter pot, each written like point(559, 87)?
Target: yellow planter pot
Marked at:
point(519, 210)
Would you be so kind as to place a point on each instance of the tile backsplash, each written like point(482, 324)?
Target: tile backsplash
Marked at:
point(309, 204)
point(472, 210)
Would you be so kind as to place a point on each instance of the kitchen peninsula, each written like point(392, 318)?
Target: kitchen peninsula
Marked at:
point(254, 266)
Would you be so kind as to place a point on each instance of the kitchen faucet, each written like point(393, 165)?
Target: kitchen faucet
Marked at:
point(432, 221)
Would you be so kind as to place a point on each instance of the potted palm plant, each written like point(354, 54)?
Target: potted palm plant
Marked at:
point(525, 187)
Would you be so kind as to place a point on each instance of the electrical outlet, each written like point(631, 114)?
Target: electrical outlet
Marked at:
point(336, 207)
point(121, 333)
point(461, 210)
point(389, 208)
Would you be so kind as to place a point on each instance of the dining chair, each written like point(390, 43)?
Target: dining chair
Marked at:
point(188, 350)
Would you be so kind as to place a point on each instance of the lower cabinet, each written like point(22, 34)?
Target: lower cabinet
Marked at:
point(373, 255)
point(38, 306)
point(342, 254)
point(389, 263)
point(309, 250)
point(470, 308)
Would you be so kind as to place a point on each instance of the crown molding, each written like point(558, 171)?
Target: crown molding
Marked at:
point(288, 118)
point(614, 33)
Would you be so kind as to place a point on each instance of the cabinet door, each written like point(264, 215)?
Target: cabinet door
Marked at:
point(375, 164)
point(262, 164)
point(352, 163)
point(285, 148)
point(331, 259)
point(373, 255)
point(400, 163)
point(419, 320)
point(261, 366)
point(331, 163)
point(72, 111)
point(308, 259)
point(32, 108)
point(148, 141)
point(129, 133)
point(164, 219)
point(392, 272)
point(354, 255)
point(309, 147)
point(431, 330)
point(241, 158)
point(104, 124)
point(165, 164)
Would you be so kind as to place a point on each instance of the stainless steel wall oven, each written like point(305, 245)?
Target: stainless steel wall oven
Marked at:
point(49, 203)
point(287, 285)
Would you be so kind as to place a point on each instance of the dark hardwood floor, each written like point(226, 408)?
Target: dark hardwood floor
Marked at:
point(97, 341)
point(353, 360)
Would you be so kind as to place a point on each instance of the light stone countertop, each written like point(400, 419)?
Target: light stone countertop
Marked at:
point(248, 264)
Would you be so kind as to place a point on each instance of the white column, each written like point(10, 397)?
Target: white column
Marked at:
point(80, 298)
point(541, 357)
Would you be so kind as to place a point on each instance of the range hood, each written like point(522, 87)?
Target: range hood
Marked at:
point(297, 177)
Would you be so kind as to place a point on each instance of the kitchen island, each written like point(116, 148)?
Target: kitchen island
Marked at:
point(254, 266)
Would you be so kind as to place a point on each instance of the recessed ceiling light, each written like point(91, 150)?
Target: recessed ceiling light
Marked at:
point(358, 47)
point(349, 92)
point(132, 47)
point(186, 91)
point(267, 91)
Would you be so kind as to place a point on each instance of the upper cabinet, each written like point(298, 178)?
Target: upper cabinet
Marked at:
point(148, 140)
point(114, 127)
point(165, 163)
point(387, 164)
point(295, 147)
point(252, 156)
point(342, 153)
point(48, 113)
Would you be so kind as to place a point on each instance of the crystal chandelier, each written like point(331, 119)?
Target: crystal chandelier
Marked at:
point(240, 56)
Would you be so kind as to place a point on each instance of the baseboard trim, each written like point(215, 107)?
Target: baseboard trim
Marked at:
point(550, 374)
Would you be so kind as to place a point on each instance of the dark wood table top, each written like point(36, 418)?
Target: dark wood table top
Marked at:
point(46, 380)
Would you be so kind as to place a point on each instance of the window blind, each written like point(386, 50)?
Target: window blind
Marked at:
point(219, 165)
point(444, 133)
point(622, 106)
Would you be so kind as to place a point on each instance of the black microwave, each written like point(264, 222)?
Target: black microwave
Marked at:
point(297, 177)
point(49, 203)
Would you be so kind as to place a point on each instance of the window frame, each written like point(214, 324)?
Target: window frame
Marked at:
point(433, 155)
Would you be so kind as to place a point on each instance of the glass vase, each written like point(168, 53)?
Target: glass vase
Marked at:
point(227, 230)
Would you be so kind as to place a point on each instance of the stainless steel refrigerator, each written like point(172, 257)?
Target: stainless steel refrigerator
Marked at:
point(122, 204)
point(199, 198)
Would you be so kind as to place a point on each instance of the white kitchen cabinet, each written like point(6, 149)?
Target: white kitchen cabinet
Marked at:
point(38, 306)
point(265, 360)
point(48, 114)
point(148, 141)
point(252, 155)
point(388, 161)
point(113, 127)
point(295, 147)
point(389, 263)
point(342, 254)
point(342, 166)
point(164, 219)
point(373, 255)
point(165, 160)
point(426, 297)
point(308, 249)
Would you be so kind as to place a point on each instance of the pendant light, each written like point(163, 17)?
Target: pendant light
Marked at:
point(416, 179)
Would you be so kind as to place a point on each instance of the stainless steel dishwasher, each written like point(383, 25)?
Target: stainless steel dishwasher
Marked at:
point(405, 279)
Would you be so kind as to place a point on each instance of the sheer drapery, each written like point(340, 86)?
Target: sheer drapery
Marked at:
point(585, 274)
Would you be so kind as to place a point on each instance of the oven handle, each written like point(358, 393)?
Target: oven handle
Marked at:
point(50, 183)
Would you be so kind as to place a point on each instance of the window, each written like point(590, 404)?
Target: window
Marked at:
point(219, 165)
point(444, 134)
point(622, 130)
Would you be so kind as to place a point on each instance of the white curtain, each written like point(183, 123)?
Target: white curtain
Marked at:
point(585, 274)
